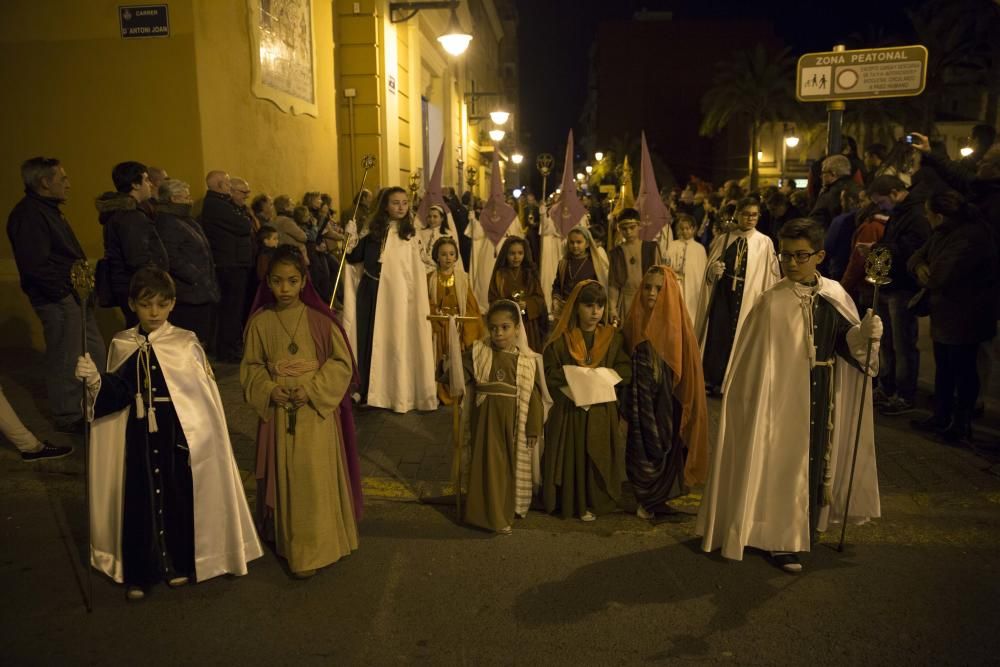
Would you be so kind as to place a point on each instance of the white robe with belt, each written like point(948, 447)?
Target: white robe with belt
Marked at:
point(757, 493)
point(224, 535)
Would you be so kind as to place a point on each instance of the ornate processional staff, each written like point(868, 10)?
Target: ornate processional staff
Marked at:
point(544, 164)
point(81, 275)
point(877, 267)
point(367, 162)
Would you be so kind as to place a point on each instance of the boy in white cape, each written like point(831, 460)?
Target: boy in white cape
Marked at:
point(780, 469)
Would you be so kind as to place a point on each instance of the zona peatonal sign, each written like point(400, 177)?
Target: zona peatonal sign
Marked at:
point(898, 71)
point(138, 21)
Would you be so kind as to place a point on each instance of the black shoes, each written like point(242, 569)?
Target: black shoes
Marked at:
point(48, 451)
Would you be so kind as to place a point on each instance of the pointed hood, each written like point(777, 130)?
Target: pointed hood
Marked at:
point(626, 199)
point(655, 215)
point(433, 193)
point(497, 214)
point(568, 212)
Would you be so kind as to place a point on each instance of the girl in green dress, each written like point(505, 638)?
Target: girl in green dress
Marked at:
point(583, 465)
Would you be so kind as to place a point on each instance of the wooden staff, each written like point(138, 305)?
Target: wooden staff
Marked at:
point(456, 421)
point(877, 267)
point(82, 277)
point(367, 162)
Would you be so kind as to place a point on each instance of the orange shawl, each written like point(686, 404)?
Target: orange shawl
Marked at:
point(569, 328)
point(667, 327)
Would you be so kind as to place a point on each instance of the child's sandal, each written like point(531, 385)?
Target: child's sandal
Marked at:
point(505, 531)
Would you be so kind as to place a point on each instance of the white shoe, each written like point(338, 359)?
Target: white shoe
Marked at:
point(588, 516)
point(642, 513)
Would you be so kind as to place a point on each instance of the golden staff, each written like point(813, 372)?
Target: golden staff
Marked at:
point(81, 275)
point(544, 164)
point(877, 267)
point(367, 162)
point(456, 418)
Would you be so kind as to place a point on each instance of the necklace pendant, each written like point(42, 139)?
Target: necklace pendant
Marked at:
point(631, 260)
point(292, 347)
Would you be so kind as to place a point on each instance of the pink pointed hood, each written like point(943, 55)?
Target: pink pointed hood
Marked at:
point(655, 215)
point(569, 211)
point(434, 194)
point(497, 214)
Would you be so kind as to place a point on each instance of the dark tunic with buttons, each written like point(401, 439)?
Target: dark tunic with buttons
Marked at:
point(367, 252)
point(158, 516)
point(830, 336)
point(724, 313)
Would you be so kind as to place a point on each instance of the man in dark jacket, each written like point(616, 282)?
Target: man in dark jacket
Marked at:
point(836, 175)
point(130, 238)
point(229, 229)
point(906, 231)
point(45, 249)
point(190, 258)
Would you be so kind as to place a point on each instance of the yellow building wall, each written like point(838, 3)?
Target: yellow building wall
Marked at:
point(79, 92)
point(277, 152)
point(184, 102)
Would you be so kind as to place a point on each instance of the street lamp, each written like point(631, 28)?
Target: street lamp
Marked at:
point(598, 156)
point(517, 158)
point(497, 135)
point(589, 169)
point(455, 40)
point(966, 151)
point(792, 141)
point(517, 193)
point(579, 176)
point(499, 117)
point(760, 155)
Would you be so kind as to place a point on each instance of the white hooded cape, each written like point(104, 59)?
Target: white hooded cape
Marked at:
point(762, 272)
point(224, 535)
point(757, 490)
point(402, 369)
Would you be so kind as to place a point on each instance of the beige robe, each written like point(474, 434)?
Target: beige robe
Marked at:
point(314, 521)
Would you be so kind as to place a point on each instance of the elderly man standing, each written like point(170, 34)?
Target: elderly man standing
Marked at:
point(836, 175)
point(45, 249)
point(229, 228)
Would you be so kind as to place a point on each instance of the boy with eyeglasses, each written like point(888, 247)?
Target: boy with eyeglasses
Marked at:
point(779, 473)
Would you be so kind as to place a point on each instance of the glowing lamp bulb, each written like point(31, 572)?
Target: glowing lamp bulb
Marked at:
point(792, 141)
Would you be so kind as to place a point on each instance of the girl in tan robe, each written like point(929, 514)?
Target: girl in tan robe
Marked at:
point(506, 402)
point(450, 294)
point(296, 371)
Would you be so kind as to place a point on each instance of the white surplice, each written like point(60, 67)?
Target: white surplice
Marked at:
point(757, 493)
point(224, 535)
point(688, 260)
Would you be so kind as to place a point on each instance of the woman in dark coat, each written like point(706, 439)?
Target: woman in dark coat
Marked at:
point(190, 259)
point(957, 268)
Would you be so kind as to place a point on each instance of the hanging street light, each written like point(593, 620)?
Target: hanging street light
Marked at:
point(589, 169)
point(598, 156)
point(499, 117)
point(792, 141)
point(455, 40)
point(497, 135)
point(517, 158)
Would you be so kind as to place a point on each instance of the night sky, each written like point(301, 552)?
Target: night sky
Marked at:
point(555, 37)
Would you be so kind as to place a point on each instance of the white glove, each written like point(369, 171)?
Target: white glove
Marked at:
point(717, 269)
point(859, 337)
point(86, 370)
point(871, 326)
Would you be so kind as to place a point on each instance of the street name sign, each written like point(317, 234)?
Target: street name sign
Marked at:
point(897, 71)
point(141, 21)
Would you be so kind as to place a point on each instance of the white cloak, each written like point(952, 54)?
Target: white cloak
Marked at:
point(688, 260)
point(402, 368)
point(553, 247)
point(762, 272)
point(757, 493)
point(483, 259)
point(224, 535)
point(428, 236)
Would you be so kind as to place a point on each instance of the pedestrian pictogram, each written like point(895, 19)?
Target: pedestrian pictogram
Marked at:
point(898, 71)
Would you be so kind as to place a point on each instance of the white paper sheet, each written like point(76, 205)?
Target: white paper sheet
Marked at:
point(590, 386)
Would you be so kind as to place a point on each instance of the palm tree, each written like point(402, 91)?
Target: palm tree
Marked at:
point(753, 87)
